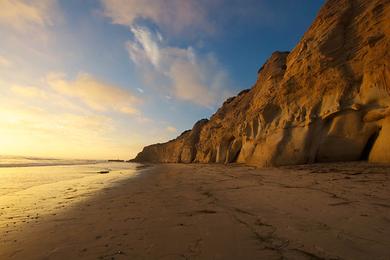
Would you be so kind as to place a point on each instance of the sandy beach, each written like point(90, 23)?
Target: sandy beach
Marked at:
point(177, 211)
point(28, 195)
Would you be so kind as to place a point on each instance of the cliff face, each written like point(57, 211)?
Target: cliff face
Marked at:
point(327, 100)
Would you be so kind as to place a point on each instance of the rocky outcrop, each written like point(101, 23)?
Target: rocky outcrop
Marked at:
point(182, 149)
point(327, 100)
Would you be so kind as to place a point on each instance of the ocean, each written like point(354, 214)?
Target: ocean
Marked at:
point(43, 187)
point(22, 161)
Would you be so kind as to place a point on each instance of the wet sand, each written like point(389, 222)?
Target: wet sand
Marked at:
point(175, 211)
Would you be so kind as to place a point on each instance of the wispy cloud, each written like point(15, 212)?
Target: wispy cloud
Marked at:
point(25, 128)
point(83, 117)
point(175, 16)
point(94, 93)
point(4, 62)
point(28, 30)
point(186, 74)
point(29, 91)
point(23, 15)
point(171, 129)
point(145, 47)
point(191, 18)
point(180, 72)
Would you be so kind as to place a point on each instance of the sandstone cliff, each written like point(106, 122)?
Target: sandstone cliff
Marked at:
point(327, 100)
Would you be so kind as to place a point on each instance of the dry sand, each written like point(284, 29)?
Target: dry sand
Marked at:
point(175, 211)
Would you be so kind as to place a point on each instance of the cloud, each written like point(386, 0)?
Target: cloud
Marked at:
point(96, 94)
point(171, 129)
point(29, 91)
point(145, 47)
point(192, 18)
point(24, 128)
point(4, 62)
point(38, 114)
point(38, 119)
point(23, 15)
point(175, 16)
point(186, 74)
point(180, 72)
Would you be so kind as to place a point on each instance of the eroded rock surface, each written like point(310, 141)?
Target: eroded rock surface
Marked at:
point(328, 100)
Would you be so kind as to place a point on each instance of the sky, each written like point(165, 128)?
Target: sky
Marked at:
point(100, 79)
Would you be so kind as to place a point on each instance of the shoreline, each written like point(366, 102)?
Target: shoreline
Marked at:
point(29, 194)
point(45, 165)
point(200, 211)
